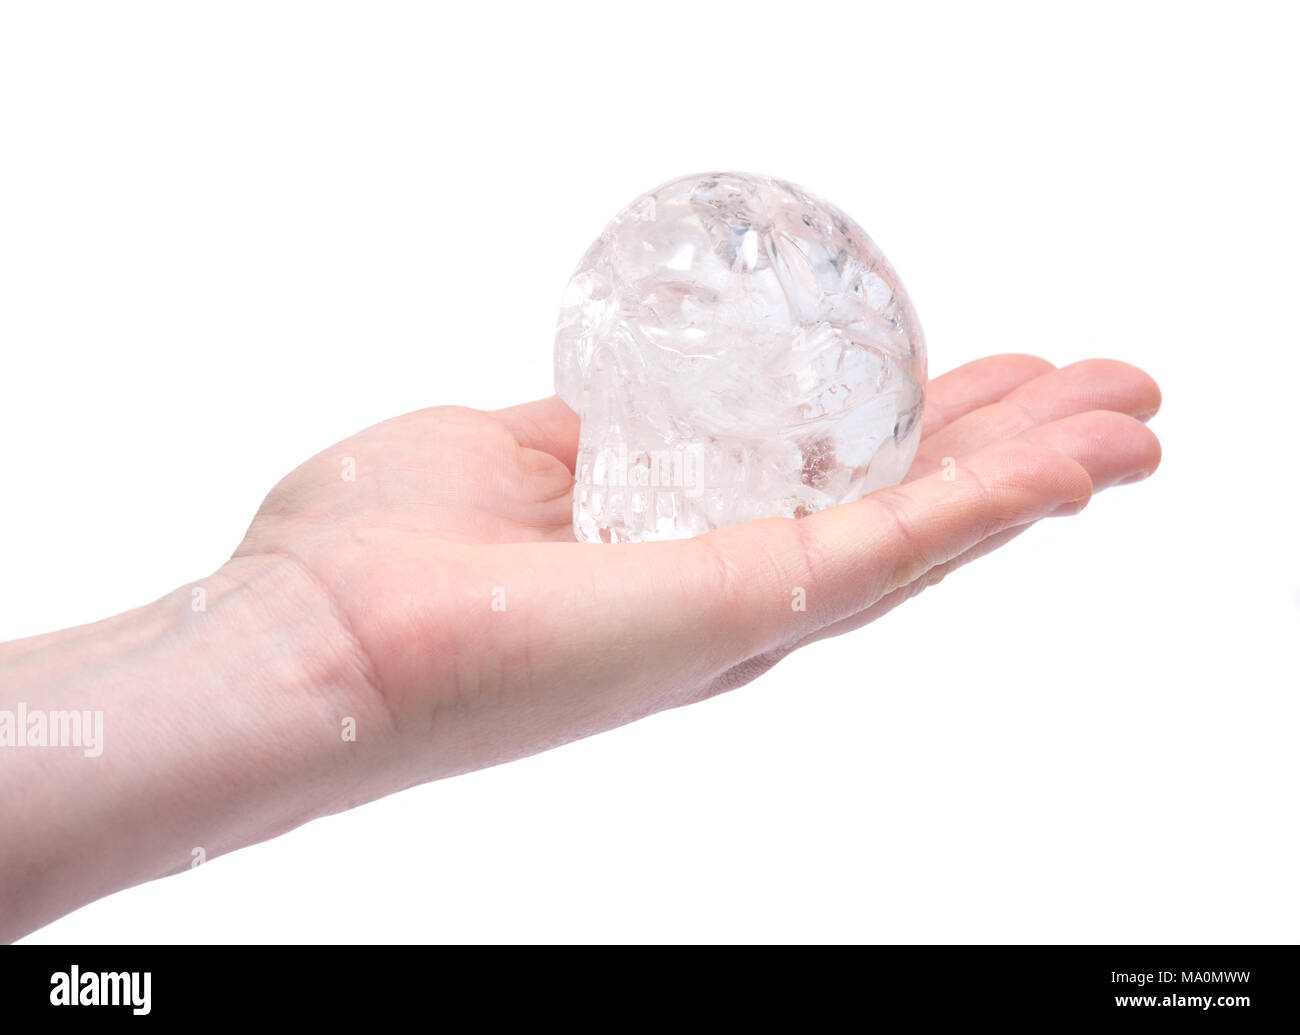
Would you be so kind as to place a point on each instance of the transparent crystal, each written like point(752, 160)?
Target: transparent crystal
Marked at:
point(737, 348)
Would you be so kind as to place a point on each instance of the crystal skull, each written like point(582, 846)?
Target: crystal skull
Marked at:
point(736, 348)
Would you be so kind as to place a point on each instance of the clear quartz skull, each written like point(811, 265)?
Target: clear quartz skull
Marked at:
point(736, 348)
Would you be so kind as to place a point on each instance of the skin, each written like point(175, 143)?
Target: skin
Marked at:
point(369, 600)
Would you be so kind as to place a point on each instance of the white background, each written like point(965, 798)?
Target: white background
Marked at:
point(231, 234)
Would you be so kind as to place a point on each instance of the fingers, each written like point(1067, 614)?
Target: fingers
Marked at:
point(904, 593)
point(752, 588)
point(550, 426)
point(547, 425)
point(1109, 446)
point(848, 557)
point(976, 384)
point(1098, 384)
point(1114, 448)
point(747, 590)
point(752, 668)
point(966, 408)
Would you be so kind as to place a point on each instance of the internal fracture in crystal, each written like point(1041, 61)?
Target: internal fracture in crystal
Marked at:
point(736, 348)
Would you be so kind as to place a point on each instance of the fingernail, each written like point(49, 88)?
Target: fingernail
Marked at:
point(1141, 476)
point(1066, 509)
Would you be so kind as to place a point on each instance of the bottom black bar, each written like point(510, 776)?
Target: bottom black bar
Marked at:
point(444, 986)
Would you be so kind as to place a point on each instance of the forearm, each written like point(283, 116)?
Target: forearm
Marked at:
point(203, 723)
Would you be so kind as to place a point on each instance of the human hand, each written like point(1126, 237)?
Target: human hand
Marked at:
point(488, 633)
point(410, 604)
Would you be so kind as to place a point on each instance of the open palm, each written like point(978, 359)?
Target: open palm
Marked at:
point(479, 631)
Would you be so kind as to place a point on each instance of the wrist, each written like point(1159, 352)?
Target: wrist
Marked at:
point(221, 712)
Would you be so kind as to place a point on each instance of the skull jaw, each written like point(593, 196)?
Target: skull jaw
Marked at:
point(633, 485)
